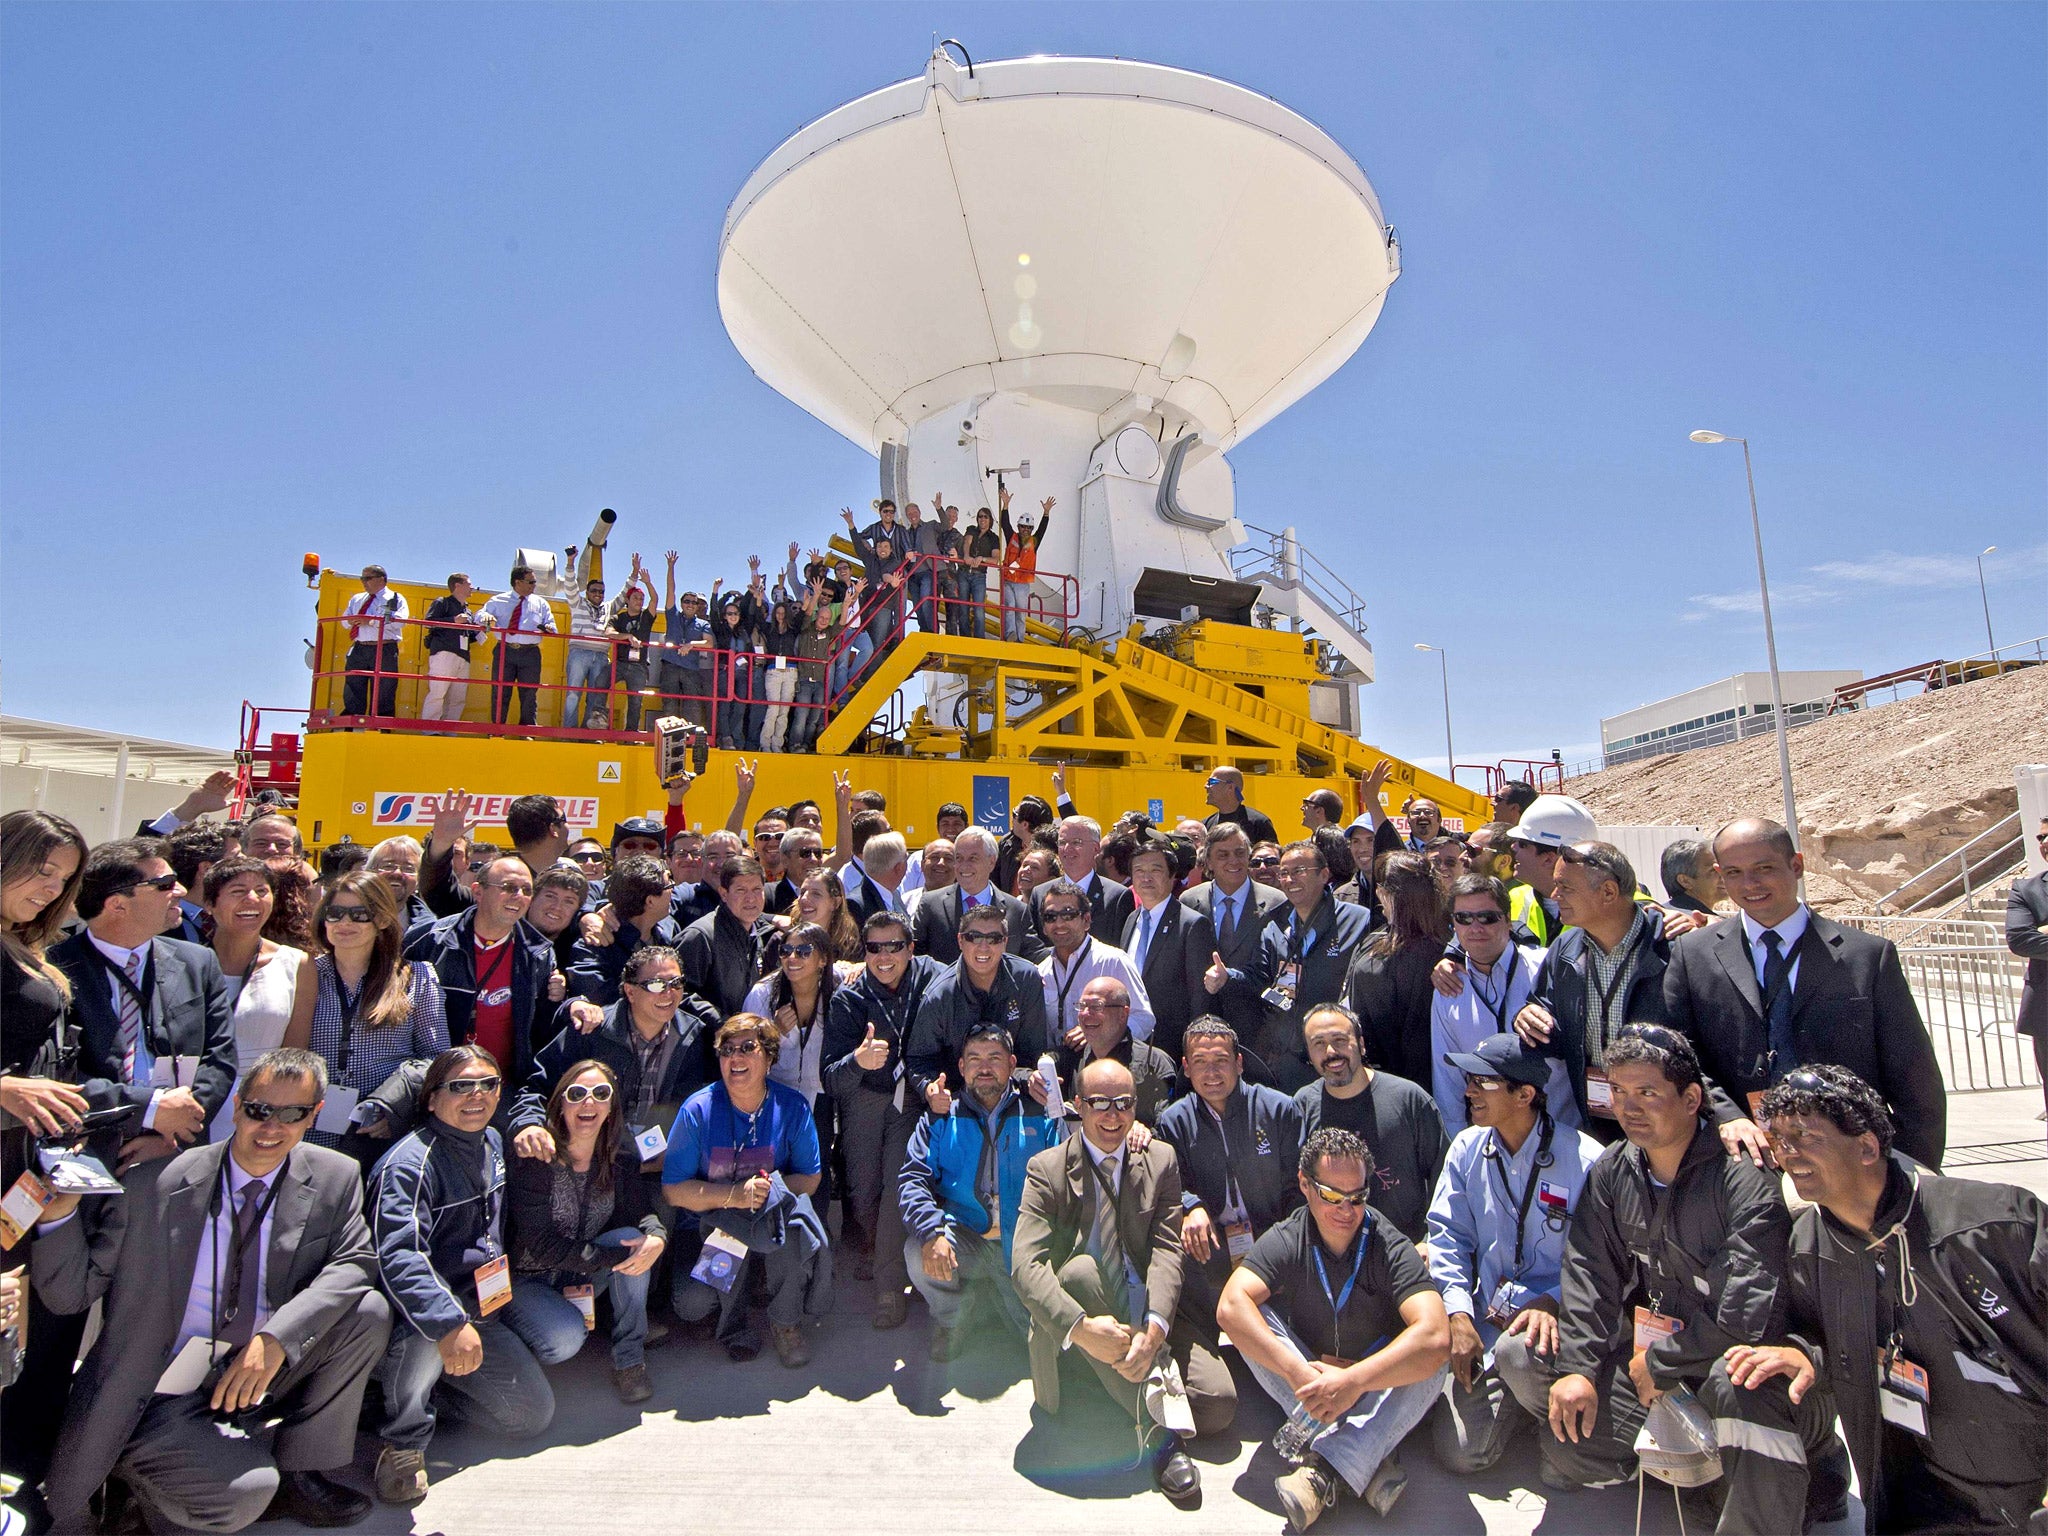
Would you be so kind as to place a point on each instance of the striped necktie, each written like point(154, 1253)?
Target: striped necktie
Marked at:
point(131, 1015)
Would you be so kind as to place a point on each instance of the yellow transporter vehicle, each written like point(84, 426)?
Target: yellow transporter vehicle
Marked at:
point(1136, 726)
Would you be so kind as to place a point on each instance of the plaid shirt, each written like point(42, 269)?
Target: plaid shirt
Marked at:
point(1613, 974)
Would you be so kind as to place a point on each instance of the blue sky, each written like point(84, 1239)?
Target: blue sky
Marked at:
point(422, 283)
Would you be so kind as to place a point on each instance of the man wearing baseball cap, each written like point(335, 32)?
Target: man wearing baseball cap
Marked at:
point(1497, 1229)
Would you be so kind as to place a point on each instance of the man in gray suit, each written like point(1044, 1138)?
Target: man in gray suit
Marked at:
point(1237, 908)
point(242, 1322)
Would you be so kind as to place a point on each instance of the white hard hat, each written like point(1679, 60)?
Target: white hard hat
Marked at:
point(1552, 821)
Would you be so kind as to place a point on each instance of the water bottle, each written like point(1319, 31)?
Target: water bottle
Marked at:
point(1049, 1079)
point(1292, 1440)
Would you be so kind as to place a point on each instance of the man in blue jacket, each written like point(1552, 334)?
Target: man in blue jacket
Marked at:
point(963, 1177)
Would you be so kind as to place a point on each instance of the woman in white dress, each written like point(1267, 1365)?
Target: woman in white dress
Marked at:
point(270, 986)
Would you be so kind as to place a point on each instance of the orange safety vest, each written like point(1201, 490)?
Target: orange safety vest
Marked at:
point(1020, 559)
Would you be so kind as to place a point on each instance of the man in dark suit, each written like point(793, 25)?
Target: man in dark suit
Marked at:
point(1237, 908)
point(1778, 987)
point(1109, 904)
point(936, 926)
point(1172, 945)
point(2026, 935)
point(156, 1033)
point(1096, 1258)
point(246, 1267)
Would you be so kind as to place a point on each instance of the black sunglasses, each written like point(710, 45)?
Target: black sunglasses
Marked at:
point(660, 986)
point(801, 951)
point(1062, 915)
point(283, 1114)
point(1483, 919)
point(157, 882)
point(886, 946)
point(463, 1087)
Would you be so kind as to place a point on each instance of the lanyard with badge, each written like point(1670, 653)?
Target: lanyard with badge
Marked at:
point(987, 1176)
point(1653, 1322)
point(1134, 1287)
point(141, 996)
point(1501, 1310)
point(1339, 1299)
point(1281, 994)
point(1498, 1009)
point(487, 995)
point(1065, 988)
point(1237, 1221)
point(494, 1275)
point(1600, 1092)
point(189, 1370)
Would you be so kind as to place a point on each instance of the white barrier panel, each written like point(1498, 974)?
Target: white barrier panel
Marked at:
point(2032, 779)
point(1645, 849)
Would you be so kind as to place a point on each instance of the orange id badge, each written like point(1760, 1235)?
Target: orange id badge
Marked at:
point(493, 1284)
point(1652, 1326)
point(22, 1207)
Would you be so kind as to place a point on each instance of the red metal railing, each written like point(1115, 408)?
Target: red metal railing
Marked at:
point(1545, 773)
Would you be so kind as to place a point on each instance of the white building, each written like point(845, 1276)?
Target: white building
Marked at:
point(1730, 710)
point(103, 782)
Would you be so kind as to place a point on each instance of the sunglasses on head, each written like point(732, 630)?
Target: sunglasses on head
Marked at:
point(283, 1114)
point(1482, 919)
point(156, 882)
point(745, 1047)
point(886, 946)
point(1106, 1104)
point(463, 1087)
point(350, 915)
point(1805, 1080)
point(1355, 1198)
point(661, 986)
point(1667, 1039)
point(596, 1093)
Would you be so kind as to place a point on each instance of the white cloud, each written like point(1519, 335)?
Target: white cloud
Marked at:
point(1884, 569)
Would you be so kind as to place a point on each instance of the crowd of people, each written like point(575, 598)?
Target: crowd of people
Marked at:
point(1410, 1130)
point(759, 666)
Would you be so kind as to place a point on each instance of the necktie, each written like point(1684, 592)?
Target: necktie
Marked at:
point(131, 1016)
point(1145, 937)
point(249, 1246)
point(1227, 929)
point(1106, 1242)
point(1778, 1004)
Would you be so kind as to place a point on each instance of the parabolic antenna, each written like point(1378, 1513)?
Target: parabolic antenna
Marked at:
point(1020, 260)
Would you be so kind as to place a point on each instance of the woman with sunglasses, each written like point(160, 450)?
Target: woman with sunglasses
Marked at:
point(796, 996)
point(1389, 987)
point(270, 987)
point(583, 1227)
point(375, 1009)
point(437, 1216)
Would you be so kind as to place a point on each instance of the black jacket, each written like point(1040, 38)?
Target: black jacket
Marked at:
point(1258, 826)
point(952, 1007)
point(188, 1015)
point(448, 945)
point(1851, 1008)
point(1262, 1130)
point(1718, 1265)
point(596, 970)
point(538, 1243)
point(1976, 1249)
point(1564, 983)
point(1174, 966)
point(1109, 908)
point(1154, 1077)
point(2026, 909)
point(1391, 994)
point(935, 928)
point(722, 960)
point(862, 1002)
point(691, 1065)
point(1325, 970)
point(1239, 1000)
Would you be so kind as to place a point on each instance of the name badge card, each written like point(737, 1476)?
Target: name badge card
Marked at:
point(1237, 1240)
point(1599, 1094)
point(493, 1284)
point(1652, 1326)
point(1903, 1398)
point(1503, 1308)
point(337, 1110)
point(21, 1206)
point(651, 1142)
point(719, 1264)
point(173, 1071)
point(584, 1299)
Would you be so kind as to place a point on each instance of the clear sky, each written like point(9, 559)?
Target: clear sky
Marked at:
point(422, 283)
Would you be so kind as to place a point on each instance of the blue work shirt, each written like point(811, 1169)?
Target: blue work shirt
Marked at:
point(713, 1141)
point(1472, 1219)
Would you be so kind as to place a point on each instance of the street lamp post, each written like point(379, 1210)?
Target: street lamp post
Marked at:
point(1985, 593)
point(1763, 582)
point(1450, 759)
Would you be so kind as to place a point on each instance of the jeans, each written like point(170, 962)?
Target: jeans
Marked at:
point(509, 1392)
point(732, 709)
point(785, 1272)
point(779, 687)
point(588, 670)
point(809, 716)
point(364, 659)
point(920, 587)
point(632, 679)
point(1016, 594)
point(447, 686)
point(964, 592)
point(1376, 1425)
point(977, 1259)
point(849, 664)
point(686, 691)
point(552, 1326)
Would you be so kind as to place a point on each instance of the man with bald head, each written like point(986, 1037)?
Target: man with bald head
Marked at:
point(1102, 1032)
point(1096, 1259)
point(1778, 987)
point(1225, 792)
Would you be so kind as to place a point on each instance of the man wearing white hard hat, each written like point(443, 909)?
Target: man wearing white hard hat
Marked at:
point(1550, 825)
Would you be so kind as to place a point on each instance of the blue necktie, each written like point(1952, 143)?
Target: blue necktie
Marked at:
point(1778, 1005)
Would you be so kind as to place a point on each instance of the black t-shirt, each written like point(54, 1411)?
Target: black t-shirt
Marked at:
point(638, 628)
point(1388, 1274)
point(1400, 1123)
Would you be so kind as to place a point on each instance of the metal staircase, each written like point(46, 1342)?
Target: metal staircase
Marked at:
point(1301, 587)
point(1963, 883)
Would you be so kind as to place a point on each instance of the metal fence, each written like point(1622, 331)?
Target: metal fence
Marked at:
point(1967, 984)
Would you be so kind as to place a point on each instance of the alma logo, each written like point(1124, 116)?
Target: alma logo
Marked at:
point(407, 808)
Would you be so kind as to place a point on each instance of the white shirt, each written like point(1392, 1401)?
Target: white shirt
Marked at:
point(216, 1245)
point(1148, 925)
point(985, 897)
point(144, 1062)
point(1480, 1009)
point(534, 618)
point(1064, 982)
point(1789, 932)
point(913, 874)
point(387, 603)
